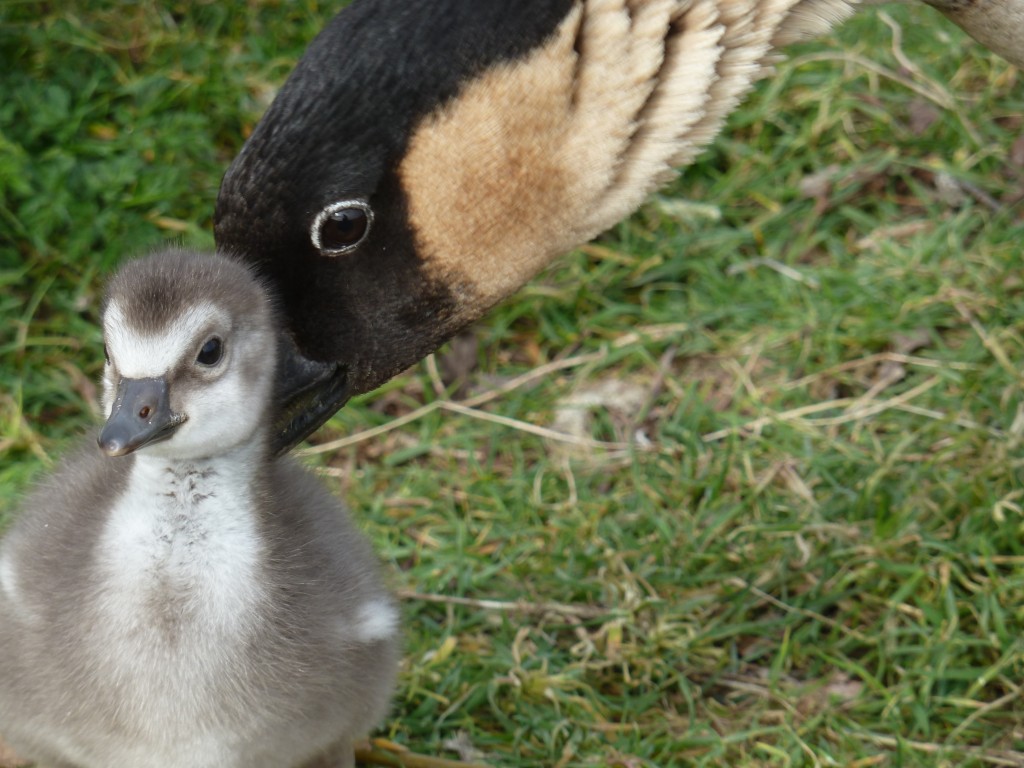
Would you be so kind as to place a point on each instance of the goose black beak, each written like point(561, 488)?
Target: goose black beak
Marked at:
point(307, 393)
point(141, 415)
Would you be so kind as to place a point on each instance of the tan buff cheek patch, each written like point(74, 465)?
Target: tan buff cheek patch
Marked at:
point(486, 178)
point(539, 155)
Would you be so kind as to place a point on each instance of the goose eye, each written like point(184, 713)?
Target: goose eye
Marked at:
point(341, 226)
point(211, 352)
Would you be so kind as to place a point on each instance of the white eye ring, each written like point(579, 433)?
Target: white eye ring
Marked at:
point(330, 210)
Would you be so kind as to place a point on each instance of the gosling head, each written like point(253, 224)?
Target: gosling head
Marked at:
point(191, 355)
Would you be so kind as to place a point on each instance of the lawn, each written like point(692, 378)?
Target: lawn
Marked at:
point(738, 484)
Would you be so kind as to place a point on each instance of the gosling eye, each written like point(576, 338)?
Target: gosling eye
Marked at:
point(341, 226)
point(211, 352)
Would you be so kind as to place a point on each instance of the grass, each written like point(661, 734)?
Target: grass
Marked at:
point(787, 527)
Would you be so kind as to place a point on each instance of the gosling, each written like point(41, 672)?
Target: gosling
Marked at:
point(187, 600)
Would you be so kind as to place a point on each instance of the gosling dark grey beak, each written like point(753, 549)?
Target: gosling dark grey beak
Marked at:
point(307, 393)
point(141, 415)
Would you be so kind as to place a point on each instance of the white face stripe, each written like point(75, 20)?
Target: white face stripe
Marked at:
point(142, 356)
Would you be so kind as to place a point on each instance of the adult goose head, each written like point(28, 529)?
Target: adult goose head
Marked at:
point(424, 160)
